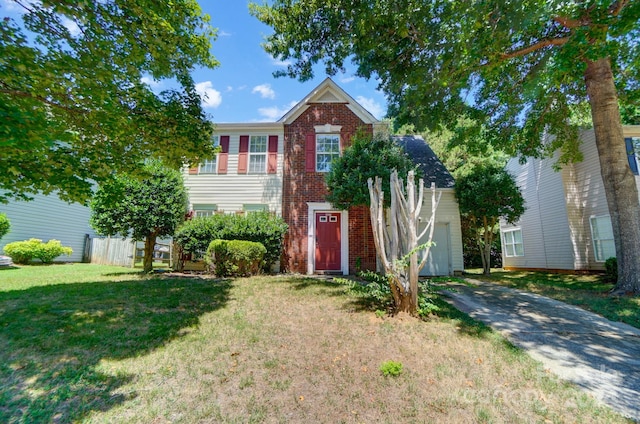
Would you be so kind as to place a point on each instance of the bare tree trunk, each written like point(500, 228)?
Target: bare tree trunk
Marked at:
point(149, 245)
point(397, 243)
point(619, 182)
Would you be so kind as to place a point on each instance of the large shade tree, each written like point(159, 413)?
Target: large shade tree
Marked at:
point(143, 208)
point(76, 101)
point(517, 68)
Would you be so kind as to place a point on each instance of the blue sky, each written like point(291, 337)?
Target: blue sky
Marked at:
point(242, 88)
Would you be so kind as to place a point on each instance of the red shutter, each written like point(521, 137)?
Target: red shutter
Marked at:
point(193, 171)
point(223, 156)
point(272, 159)
point(243, 155)
point(310, 153)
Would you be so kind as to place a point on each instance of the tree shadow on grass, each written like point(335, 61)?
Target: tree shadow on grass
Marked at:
point(52, 339)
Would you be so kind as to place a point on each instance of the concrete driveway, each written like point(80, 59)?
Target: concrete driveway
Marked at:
point(601, 356)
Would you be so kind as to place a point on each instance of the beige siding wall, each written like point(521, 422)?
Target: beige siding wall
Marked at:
point(46, 218)
point(448, 222)
point(544, 225)
point(232, 190)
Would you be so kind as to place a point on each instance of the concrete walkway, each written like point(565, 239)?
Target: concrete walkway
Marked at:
point(601, 356)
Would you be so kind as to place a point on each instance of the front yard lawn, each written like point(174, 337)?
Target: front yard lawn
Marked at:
point(585, 291)
point(88, 343)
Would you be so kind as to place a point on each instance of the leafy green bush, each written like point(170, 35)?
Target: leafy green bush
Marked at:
point(5, 225)
point(611, 270)
point(262, 227)
point(22, 252)
point(235, 257)
point(391, 368)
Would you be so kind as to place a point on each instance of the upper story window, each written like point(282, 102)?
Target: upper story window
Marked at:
point(327, 148)
point(210, 166)
point(602, 234)
point(258, 154)
point(513, 245)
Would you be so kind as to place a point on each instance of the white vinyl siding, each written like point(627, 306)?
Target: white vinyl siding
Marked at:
point(231, 191)
point(47, 218)
point(512, 242)
point(602, 235)
point(327, 148)
point(258, 154)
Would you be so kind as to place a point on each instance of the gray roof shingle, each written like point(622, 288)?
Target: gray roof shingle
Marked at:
point(433, 170)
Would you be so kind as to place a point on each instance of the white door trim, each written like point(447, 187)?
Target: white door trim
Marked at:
point(312, 208)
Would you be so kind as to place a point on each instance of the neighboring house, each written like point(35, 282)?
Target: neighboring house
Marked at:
point(46, 218)
point(566, 225)
point(281, 167)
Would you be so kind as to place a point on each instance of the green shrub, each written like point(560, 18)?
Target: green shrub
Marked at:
point(22, 252)
point(611, 270)
point(391, 368)
point(5, 225)
point(262, 227)
point(235, 257)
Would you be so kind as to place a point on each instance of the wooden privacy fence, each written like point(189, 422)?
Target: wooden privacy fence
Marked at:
point(125, 252)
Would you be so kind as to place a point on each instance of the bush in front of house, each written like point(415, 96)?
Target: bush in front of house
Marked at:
point(228, 258)
point(5, 225)
point(611, 270)
point(22, 252)
point(194, 236)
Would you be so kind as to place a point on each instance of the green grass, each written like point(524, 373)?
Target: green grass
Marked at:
point(97, 344)
point(585, 291)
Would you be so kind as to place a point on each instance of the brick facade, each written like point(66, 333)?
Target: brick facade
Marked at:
point(301, 187)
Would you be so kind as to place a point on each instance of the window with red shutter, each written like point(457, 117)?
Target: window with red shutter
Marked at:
point(223, 156)
point(310, 153)
point(272, 160)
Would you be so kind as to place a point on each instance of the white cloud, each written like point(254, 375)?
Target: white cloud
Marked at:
point(372, 106)
point(211, 98)
point(265, 90)
point(70, 25)
point(345, 79)
point(150, 82)
point(276, 61)
point(274, 113)
point(223, 33)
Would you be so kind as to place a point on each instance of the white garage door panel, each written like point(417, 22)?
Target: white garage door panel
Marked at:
point(439, 261)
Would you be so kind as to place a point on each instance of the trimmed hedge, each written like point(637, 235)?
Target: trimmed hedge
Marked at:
point(229, 258)
point(22, 252)
point(5, 225)
point(262, 227)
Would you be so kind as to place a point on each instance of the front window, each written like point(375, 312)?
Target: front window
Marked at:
point(202, 210)
point(210, 166)
point(513, 243)
point(327, 148)
point(602, 234)
point(258, 154)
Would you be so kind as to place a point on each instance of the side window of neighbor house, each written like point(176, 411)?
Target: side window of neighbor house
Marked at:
point(210, 166)
point(602, 234)
point(258, 154)
point(327, 148)
point(513, 243)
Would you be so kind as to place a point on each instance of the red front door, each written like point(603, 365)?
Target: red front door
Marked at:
point(328, 241)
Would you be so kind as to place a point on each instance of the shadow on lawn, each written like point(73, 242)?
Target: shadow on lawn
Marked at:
point(52, 339)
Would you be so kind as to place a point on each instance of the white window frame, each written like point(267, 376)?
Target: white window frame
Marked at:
point(510, 245)
point(204, 210)
point(257, 156)
point(334, 140)
point(210, 166)
point(604, 245)
point(635, 141)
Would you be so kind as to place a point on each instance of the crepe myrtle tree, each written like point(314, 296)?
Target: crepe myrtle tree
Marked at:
point(78, 92)
point(486, 193)
point(520, 69)
point(143, 208)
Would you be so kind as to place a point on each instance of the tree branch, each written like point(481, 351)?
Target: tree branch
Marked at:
point(537, 46)
point(616, 7)
point(17, 93)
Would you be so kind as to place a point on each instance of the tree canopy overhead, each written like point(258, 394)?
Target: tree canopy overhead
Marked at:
point(73, 104)
point(519, 69)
